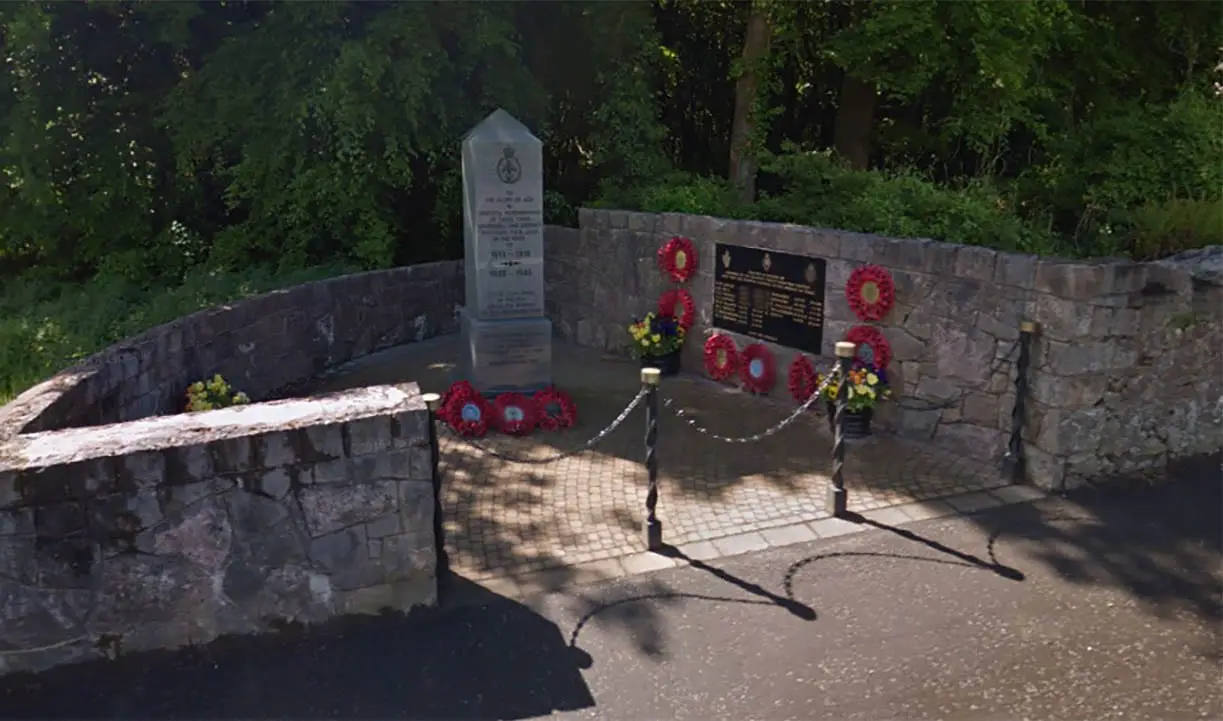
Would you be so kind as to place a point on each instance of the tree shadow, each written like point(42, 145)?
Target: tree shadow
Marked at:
point(1161, 544)
point(492, 658)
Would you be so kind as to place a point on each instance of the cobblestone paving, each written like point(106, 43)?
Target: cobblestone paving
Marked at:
point(509, 518)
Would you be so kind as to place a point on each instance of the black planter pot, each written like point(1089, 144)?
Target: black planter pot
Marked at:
point(668, 364)
point(857, 423)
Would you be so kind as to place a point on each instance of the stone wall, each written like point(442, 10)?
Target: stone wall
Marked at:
point(167, 531)
point(1126, 362)
point(265, 346)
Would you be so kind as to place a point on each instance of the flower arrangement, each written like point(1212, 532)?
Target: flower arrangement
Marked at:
point(213, 394)
point(656, 335)
point(867, 386)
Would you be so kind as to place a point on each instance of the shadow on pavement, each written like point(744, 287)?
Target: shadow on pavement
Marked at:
point(1011, 574)
point(1159, 543)
point(492, 659)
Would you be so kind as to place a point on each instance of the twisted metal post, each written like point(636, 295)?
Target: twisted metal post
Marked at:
point(650, 378)
point(838, 501)
point(1014, 452)
point(433, 402)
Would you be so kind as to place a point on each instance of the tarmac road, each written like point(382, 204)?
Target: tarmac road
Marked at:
point(1101, 607)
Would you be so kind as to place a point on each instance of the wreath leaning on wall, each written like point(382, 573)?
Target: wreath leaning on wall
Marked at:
point(677, 258)
point(757, 368)
point(870, 292)
point(872, 346)
point(721, 357)
point(677, 303)
point(555, 409)
point(803, 380)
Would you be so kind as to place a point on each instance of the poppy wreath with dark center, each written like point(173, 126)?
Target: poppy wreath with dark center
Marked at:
point(721, 357)
point(757, 368)
point(803, 380)
point(555, 409)
point(465, 410)
point(870, 292)
point(514, 414)
point(677, 258)
point(677, 303)
point(880, 351)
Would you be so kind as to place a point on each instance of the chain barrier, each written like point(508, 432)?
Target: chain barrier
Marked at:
point(594, 441)
point(679, 413)
point(916, 404)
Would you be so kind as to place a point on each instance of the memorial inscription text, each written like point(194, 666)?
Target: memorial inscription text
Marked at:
point(770, 295)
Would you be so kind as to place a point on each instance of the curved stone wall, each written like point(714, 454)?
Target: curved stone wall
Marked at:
point(265, 346)
point(1125, 365)
point(126, 525)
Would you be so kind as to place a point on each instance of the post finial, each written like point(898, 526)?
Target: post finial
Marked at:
point(845, 349)
point(432, 400)
point(651, 376)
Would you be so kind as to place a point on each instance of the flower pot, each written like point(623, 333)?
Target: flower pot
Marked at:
point(668, 364)
point(857, 423)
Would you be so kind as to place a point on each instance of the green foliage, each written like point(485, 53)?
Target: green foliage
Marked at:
point(156, 156)
point(45, 328)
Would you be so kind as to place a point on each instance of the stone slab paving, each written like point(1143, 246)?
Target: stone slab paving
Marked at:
point(505, 519)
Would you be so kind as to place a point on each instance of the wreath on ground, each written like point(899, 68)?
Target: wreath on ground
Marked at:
point(465, 410)
point(721, 357)
point(677, 303)
point(757, 368)
point(870, 292)
point(514, 414)
point(871, 346)
point(803, 380)
point(555, 409)
point(677, 258)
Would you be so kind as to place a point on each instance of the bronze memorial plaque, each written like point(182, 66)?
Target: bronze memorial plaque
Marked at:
point(770, 295)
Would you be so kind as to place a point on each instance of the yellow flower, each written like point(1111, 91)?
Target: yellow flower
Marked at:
point(196, 387)
point(872, 379)
point(241, 399)
point(656, 338)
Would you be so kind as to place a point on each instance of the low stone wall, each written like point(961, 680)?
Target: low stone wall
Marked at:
point(125, 524)
point(167, 531)
point(265, 346)
point(1125, 372)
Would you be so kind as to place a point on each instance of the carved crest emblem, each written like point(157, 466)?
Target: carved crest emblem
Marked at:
point(509, 170)
point(726, 259)
point(766, 262)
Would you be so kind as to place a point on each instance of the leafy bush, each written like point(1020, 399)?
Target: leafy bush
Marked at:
point(1162, 229)
point(815, 189)
point(45, 328)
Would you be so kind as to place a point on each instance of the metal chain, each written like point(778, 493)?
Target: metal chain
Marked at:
point(917, 404)
point(679, 413)
point(598, 437)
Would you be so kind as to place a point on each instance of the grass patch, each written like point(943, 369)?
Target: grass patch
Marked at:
point(46, 328)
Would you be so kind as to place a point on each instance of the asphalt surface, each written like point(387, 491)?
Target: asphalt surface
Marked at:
point(1097, 607)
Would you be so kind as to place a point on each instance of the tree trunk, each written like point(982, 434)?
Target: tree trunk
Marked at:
point(743, 162)
point(855, 122)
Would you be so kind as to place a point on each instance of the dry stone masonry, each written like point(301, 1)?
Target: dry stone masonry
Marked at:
point(1126, 363)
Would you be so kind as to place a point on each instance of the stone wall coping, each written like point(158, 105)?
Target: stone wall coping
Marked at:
point(71, 445)
point(167, 345)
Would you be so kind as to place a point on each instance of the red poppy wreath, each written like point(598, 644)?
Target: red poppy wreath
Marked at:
point(870, 292)
point(514, 414)
point(677, 258)
point(555, 409)
point(677, 303)
point(872, 346)
point(721, 357)
point(803, 380)
point(465, 410)
point(757, 368)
